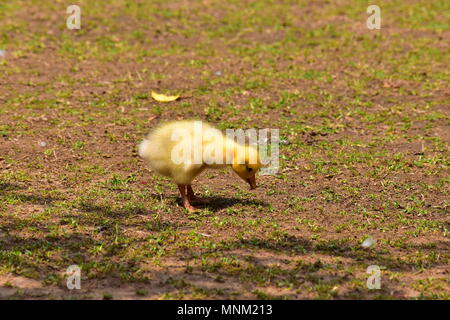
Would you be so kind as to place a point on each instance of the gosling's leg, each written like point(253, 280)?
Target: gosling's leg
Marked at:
point(185, 198)
point(192, 197)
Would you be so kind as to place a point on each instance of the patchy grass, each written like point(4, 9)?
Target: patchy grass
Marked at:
point(364, 116)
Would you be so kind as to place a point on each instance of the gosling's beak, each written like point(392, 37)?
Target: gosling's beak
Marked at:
point(252, 182)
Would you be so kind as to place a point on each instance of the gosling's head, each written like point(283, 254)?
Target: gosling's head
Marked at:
point(246, 164)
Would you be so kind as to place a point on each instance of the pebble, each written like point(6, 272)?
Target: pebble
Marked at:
point(369, 242)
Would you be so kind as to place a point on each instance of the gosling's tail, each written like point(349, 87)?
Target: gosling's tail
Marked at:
point(144, 147)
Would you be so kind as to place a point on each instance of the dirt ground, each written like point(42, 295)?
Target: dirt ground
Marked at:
point(363, 115)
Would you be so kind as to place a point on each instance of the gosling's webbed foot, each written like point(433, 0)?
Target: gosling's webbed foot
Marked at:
point(185, 198)
point(190, 207)
point(193, 198)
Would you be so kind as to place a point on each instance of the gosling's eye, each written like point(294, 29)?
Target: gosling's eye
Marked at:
point(249, 169)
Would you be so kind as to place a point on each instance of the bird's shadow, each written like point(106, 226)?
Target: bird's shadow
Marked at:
point(6, 186)
point(13, 190)
point(214, 203)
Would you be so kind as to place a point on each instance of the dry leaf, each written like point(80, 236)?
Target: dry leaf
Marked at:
point(163, 98)
point(391, 84)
